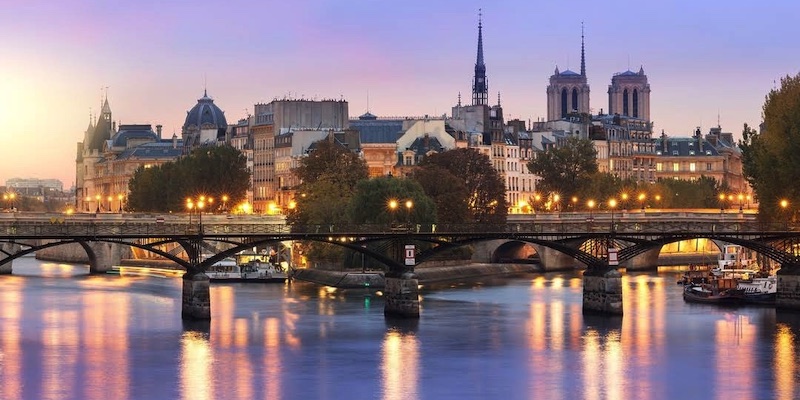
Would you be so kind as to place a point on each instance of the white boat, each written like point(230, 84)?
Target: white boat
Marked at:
point(733, 260)
point(247, 268)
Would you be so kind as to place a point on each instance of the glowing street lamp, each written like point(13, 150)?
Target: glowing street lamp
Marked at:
point(224, 202)
point(574, 203)
point(741, 201)
point(97, 199)
point(611, 205)
point(642, 197)
point(590, 204)
point(624, 197)
point(88, 199)
point(556, 200)
point(119, 199)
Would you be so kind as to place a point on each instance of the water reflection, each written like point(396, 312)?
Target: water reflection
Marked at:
point(11, 307)
point(784, 363)
point(399, 365)
point(195, 366)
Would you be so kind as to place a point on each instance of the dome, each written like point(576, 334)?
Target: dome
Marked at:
point(205, 114)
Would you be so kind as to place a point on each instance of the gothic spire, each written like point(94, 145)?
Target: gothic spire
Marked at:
point(480, 88)
point(583, 54)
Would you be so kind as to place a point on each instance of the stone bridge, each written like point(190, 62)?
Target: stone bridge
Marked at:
point(563, 236)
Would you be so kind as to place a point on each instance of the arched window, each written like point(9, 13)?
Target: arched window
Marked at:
point(625, 102)
point(635, 103)
point(575, 99)
point(564, 103)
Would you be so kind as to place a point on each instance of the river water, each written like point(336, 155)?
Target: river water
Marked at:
point(67, 335)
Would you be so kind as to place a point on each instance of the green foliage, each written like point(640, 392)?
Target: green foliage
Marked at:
point(370, 205)
point(329, 176)
point(567, 168)
point(447, 192)
point(209, 171)
point(771, 159)
point(484, 190)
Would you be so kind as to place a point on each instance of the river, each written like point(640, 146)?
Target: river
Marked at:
point(68, 335)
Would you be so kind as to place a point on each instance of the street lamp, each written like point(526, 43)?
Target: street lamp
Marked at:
point(590, 204)
point(225, 202)
point(574, 203)
point(611, 205)
point(658, 198)
point(642, 197)
point(556, 200)
point(722, 202)
point(97, 199)
point(109, 198)
point(119, 200)
point(741, 202)
point(624, 197)
point(88, 199)
point(784, 204)
point(409, 205)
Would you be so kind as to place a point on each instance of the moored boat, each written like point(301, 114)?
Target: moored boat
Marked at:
point(718, 291)
point(247, 268)
point(733, 259)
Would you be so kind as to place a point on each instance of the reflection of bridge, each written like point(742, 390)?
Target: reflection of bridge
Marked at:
point(584, 238)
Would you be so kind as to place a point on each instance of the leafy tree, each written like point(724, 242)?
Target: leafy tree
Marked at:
point(447, 192)
point(567, 168)
point(370, 205)
point(328, 179)
point(213, 171)
point(484, 187)
point(771, 158)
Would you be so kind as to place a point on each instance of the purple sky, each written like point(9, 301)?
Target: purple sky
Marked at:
point(702, 58)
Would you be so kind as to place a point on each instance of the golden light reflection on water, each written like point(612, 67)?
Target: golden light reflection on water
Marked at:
point(734, 339)
point(223, 306)
point(59, 352)
point(273, 364)
point(11, 352)
point(784, 363)
point(197, 382)
point(399, 366)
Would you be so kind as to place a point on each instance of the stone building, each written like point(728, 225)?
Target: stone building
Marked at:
point(568, 91)
point(107, 158)
point(205, 124)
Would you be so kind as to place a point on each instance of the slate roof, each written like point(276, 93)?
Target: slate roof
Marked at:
point(205, 112)
point(569, 73)
point(127, 132)
point(161, 149)
point(684, 147)
point(378, 131)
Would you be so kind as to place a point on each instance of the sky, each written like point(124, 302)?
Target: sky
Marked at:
point(707, 61)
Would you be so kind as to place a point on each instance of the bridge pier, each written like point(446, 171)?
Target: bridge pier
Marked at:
point(10, 248)
point(102, 255)
point(401, 296)
point(788, 291)
point(196, 300)
point(602, 291)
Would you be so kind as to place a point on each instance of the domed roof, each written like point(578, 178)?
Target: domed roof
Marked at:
point(205, 113)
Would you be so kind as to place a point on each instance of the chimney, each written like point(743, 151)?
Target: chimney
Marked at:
point(664, 143)
point(158, 130)
point(699, 136)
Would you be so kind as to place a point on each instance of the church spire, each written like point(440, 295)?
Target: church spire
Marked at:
point(480, 88)
point(583, 54)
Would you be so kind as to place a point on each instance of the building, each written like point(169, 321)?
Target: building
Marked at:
point(378, 137)
point(714, 156)
point(277, 118)
point(34, 183)
point(568, 91)
point(205, 124)
point(624, 147)
point(107, 159)
point(629, 95)
point(239, 138)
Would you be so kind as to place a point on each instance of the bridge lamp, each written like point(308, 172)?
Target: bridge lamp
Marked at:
point(574, 203)
point(741, 202)
point(784, 203)
point(225, 202)
point(556, 199)
point(97, 199)
point(611, 205)
point(642, 197)
point(119, 199)
point(590, 204)
point(624, 197)
point(88, 199)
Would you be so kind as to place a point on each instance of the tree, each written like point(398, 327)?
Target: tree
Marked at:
point(447, 192)
point(370, 205)
point(212, 171)
point(566, 168)
point(484, 190)
point(771, 158)
point(328, 179)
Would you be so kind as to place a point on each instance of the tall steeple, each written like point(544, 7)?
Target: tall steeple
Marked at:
point(583, 54)
point(480, 88)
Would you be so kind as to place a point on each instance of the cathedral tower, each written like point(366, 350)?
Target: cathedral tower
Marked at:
point(480, 88)
point(568, 91)
point(629, 95)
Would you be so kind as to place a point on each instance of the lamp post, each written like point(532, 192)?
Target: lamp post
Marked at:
point(730, 200)
point(392, 207)
point(611, 205)
point(741, 202)
point(97, 199)
point(784, 205)
point(119, 200)
point(658, 199)
point(590, 204)
point(642, 197)
point(190, 207)
point(556, 200)
point(722, 202)
point(574, 203)
point(624, 197)
point(88, 199)
point(409, 206)
point(11, 197)
point(225, 202)
point(110, 198)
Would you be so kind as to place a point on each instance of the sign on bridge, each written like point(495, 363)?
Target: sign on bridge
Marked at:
point(410, 254)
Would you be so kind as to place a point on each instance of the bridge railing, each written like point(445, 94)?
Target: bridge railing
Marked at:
point(590, 226)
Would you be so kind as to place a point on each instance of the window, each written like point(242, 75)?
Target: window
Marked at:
point(676, 167)
point(692, 167)
point(674, 152)
point(659, 167)
point(708, 166)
